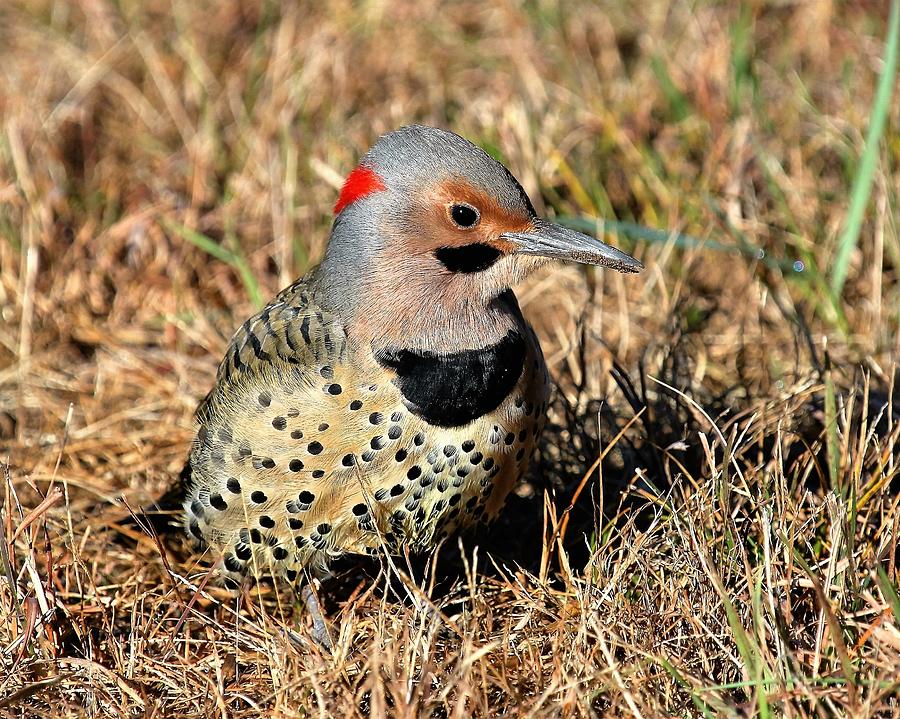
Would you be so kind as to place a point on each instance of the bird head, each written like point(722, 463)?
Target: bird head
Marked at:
point(430, 230)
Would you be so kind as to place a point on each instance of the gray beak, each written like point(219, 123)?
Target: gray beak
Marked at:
point(548, 240)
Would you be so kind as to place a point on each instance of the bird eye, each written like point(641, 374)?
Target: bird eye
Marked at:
point(464, 216)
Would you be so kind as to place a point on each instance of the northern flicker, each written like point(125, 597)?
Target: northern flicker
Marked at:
point(394, 394)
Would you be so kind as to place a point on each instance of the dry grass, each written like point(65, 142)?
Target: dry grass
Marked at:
point(734, 554)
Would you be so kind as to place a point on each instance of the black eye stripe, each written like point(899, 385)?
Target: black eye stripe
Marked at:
point(468, 258)
point(464, 215)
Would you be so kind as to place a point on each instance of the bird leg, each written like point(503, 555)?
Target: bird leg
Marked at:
point(319, 632)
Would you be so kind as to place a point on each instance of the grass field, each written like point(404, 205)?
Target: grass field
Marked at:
point(712, 528)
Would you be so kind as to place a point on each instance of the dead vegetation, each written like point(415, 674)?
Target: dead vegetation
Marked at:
point(712, 527)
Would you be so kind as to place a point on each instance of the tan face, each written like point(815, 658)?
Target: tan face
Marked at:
point(454, 213)
point(443, 261)
point(450, 236)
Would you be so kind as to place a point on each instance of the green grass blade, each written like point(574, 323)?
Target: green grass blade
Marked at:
point(249, 280)
point(207, 244)
point(862, 183)
point(695, 697)
point(763, 675)
point(678, 103)
point(213, 248)
point(832, 440)
point(890, 594)
point(832, 622)
point(741, 58)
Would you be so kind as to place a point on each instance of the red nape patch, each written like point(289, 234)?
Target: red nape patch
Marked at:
point(359, 183)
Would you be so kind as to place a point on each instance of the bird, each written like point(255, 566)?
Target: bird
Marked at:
point(395, 394)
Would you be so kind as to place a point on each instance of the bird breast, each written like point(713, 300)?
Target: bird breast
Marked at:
point(296, 463)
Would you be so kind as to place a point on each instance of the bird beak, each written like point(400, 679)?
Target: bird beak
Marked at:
point(548, 240)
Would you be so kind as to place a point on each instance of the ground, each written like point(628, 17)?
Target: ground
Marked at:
point(711, 528)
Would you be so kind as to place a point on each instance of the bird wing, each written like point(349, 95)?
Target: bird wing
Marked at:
point(291, 330)
point(278, 431)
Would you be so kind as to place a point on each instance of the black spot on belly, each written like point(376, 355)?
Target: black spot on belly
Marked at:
point(451, 390)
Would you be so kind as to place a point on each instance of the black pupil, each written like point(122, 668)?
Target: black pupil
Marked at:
point(463, 215)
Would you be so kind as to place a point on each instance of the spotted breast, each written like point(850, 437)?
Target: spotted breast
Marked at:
point(310, 448)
